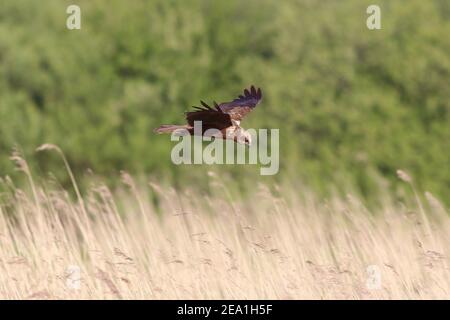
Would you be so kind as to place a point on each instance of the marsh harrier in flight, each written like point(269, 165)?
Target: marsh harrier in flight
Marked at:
point(225, 118)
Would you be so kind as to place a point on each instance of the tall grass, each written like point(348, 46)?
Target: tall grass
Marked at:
point(274, 244)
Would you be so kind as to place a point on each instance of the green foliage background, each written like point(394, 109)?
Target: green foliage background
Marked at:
point(352, 105)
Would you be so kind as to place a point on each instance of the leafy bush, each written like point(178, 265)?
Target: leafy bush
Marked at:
point(353, 105)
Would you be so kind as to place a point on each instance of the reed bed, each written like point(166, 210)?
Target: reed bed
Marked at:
point(277, 243)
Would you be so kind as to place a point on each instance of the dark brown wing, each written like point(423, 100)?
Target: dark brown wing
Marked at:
point(211, 118)
point(241, 106)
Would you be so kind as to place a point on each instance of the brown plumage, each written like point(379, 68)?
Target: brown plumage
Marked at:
point(241, 106)
point(224, 117)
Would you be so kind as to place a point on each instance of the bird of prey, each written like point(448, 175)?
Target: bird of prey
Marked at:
point(225, 118)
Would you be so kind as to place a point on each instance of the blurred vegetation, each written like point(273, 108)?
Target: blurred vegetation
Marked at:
point(352, 105)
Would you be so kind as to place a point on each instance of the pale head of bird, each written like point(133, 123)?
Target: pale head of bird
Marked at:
point(243, 137)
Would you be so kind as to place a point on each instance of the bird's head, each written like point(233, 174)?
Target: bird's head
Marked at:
point(244, 137)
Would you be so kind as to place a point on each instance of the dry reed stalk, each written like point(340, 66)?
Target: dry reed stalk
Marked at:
point(287, 246)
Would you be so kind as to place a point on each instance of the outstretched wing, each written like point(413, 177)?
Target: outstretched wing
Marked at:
point(211, 118)
point(241, 106)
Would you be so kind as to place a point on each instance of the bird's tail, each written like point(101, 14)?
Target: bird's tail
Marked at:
point(169, 128)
